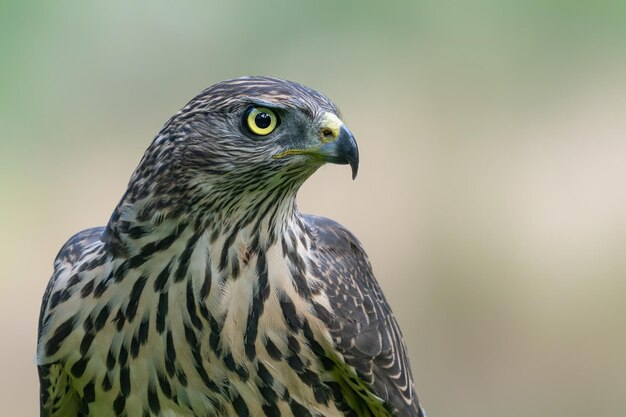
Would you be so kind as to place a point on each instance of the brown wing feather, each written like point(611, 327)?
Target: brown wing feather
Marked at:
point(363, 326)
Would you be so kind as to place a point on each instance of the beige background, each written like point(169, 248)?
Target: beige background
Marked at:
point(491, 193)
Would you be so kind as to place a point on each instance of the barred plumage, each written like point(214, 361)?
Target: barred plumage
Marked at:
point(209, 294)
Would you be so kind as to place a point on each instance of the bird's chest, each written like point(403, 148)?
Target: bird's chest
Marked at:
point(229, 339)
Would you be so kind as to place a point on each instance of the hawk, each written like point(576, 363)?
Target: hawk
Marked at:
point(209, 294)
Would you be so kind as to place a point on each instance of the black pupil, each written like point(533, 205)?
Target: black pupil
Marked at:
point(262, 120)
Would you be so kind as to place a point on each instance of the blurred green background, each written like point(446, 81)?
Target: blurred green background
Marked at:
point(491, 196)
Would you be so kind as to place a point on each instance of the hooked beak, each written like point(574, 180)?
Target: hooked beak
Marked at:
point(337, 145)
point(343, 150)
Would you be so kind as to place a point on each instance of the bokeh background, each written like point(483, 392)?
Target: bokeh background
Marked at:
point(491, 196)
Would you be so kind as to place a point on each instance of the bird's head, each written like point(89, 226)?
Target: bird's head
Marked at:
point(241, 140)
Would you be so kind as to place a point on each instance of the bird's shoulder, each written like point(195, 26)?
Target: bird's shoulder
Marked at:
point(76, 259)
point(58, 321)
point(361, 323)
point(340, 262)
point(76, 246)
point(327, 234)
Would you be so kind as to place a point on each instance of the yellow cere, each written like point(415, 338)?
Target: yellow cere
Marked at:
point(330, 127)
point(261, 121)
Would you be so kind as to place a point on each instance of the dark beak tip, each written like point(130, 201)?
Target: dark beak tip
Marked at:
point(350, 150)
point(354, 165)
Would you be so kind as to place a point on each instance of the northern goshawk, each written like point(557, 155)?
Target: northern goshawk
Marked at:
point(209, 294)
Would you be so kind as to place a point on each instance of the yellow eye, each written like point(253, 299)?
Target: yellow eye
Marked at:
point(260, 120)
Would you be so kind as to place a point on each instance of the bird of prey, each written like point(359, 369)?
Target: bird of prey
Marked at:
point(209, 294)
